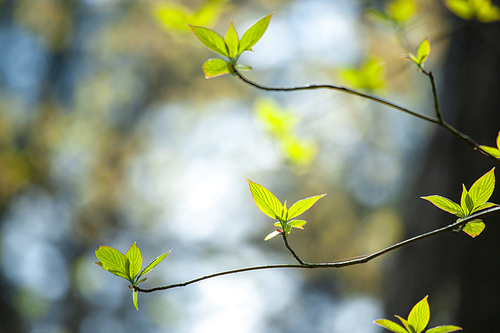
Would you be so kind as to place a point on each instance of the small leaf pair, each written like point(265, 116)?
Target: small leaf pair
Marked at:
point(423, 51)
point(272, 207)
point(471, 201)
point(126, 266)
point(231, 46)
point(492, 150)
point(417, 321)
point(482, 10)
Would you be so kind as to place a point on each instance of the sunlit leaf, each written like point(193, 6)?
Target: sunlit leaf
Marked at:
point(172, 16)
point(445, 204)
point(405, 323)
point(154, 263)
point(464, 200)
point(482, 189)
point(272, 235)
point(212, 40)
point(276, 120)
point(135, 299)
point(444, 329)
point(135, 259)
point(232, 41)
point(113, 261)
point(487, 12)
point(299, 152)
point(370, 76)
point(302, 205)
point(266, 201)
point(297, 223)
point(215, 67)
point(401, 10)
point(474, 227)
point(390, 325)
point(484, 206)
point(461, 8)
point(254, 33)
point(242, 67)
point(495, 152)
point(423, 51)
point(419, 316)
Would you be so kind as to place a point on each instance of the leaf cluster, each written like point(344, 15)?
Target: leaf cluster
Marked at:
point(471, 201)
point(481, 10)
point(423, 51)
point(272, 207)
point(230, 46)
point(417, 321)
point(126, 266)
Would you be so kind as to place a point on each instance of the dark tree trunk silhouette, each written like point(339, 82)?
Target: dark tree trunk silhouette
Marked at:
point(460, 274)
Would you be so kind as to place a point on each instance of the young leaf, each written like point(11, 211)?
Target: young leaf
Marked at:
point(419, 316)
point(401, 10)
point(444, 329)
point(135, 259)
point(463, 200)
point(482, 189)
point(423, 51)
point(272, 235)
point(253, 34)
point(460, 8)
point(474, 228)
point(135, 299)
point(215, 67)
point(484, 206)
point(390, 325)
point(232, 41)
point(113, 261)
point(210, 39)
point(153, 263)
point(445, 204)
point(297, 223)
point(302, 205)
point(495, 152)
point(266, 201)
point(406, 324)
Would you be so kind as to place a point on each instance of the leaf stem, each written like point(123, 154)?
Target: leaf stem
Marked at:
point(292, 251)
point(338, 264)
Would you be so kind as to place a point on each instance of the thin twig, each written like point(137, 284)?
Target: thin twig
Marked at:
point(294, 254)
point(438, 121)
point(337, 264)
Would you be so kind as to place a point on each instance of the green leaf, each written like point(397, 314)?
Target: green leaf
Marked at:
point(370, 76)
point(390, 325)
point(113, 261)
point(272, 235)
point(469, 204)
point(445, 204)
point(232, 41)
point(419, 316)
point(253, 34)
point(401, 10)
point(297, 223)
point(135, 299)
point(302, 205)
point(406, 324)
point(484, 206)
point(444, 329)
point(215, 67)
point(482, 189)
point(495, 152)
point(460, 8)
point(463, 200)
point(423, 51)
point(135, 259)
point(266, 201)
point(242, 67)
point(474, 228)
point(486, 12)
point(212, 40)
point(153, 263)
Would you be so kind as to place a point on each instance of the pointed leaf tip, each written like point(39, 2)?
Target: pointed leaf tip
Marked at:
point(266, 201)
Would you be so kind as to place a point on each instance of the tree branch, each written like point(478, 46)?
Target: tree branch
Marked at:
point(438, 121)
point(338, 264)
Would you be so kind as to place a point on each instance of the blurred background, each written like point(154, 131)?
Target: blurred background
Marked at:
point(110, 135)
